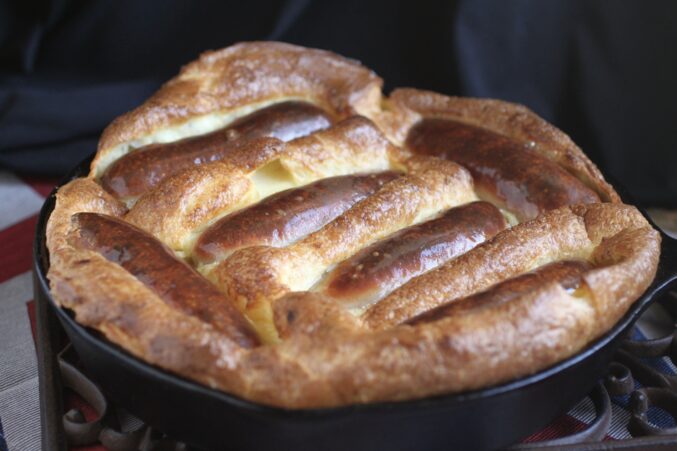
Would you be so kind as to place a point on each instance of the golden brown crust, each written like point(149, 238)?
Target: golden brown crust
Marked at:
point(260, 274)
point(482, 346)
point(320, 353)
point(285, 217)
point(375, 270)
point(246, 74)
point(192, 199)
point(407, 106)
point(156, 266)
point(77, 196)
point(522, 248)
point(567, 273)
point(135, 173)
point(329, 358)
point(106, 297)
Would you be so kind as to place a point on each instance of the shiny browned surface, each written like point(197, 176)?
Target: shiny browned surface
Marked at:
point(248, 73)
point(287, 216)
point(155, 266)
point(378, 269)
point(138, 171)
point(506, 172)
point(317, 352)
point(567, 273)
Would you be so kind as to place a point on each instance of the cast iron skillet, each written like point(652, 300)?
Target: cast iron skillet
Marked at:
point(490, 418)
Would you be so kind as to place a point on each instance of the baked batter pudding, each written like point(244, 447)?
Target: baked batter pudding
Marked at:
point(271, 225)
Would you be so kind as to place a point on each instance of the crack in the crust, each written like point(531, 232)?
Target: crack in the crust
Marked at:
point(581, 212)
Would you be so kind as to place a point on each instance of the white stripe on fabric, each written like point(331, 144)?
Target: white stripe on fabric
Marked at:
point(17, 351)
point(584, 412)
point(19, 405)
point(20, 411)
point(619, 421)
point(18, 200)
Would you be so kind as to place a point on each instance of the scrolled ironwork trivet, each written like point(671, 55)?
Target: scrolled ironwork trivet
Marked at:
point(595, 432)
point(106, 428)
point(631, 374)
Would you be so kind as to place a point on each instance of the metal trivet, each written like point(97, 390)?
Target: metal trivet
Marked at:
point(630, 374)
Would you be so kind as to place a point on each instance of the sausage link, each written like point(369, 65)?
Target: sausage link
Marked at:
point(385, 265)
point(567, 273)
point(144, 168)
point(155, 266)
point(287, 216)
point(505, 172)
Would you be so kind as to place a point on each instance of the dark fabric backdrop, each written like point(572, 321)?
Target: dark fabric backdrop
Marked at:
point(603, 71)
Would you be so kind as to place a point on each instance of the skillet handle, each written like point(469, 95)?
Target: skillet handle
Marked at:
point(670, 248)
point(666, 277)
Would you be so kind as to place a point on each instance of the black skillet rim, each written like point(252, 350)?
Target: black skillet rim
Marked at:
point(666, 276)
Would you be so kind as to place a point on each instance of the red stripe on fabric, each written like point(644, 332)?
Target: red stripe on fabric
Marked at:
point(42, 185)
point(72, 400)
point(30, 307)
point(561, 427)
point(17, 242)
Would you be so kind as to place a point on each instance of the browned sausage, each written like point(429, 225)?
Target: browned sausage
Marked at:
point(380, 268)
point(153, 264)
point(567, 273)
point(287, 216)
point(505, 172)
point(144, 168)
